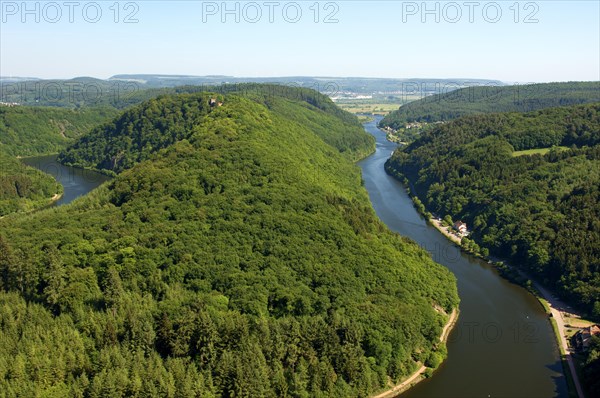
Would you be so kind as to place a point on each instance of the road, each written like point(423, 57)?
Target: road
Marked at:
point(556, 309)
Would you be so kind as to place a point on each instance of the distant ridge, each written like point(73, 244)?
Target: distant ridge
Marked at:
point(354, 84)
point(123, 90)
point(17, 79)
point(477, 100)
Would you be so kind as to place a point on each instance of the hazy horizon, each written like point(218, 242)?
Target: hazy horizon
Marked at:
point(544, 41)
point(83, 76)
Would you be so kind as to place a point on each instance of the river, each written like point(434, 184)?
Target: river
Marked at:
point(76, 182)
point(503, 344)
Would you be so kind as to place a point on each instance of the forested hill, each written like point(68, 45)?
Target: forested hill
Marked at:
point(30, 131)
point(159, 122)
point(243, 260)
point(23, 188)
point(475, 100)
point(527, 184)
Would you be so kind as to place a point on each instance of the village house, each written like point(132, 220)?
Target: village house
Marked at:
point(415, 125)
point(461, 228)
point(583, 337)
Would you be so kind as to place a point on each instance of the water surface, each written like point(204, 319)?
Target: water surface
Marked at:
point(503, 344)
point(76, 182)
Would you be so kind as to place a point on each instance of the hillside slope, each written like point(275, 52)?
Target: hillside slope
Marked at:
point(541, 211)
point(243, 260)
point(477, 100)
point(24, 188)
point(30, 131)
point(129, 139)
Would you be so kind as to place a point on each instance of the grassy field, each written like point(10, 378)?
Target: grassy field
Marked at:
point(541, 151)
point(371, 108)
point(365, 119)
point(378, 105)
point(577, 322)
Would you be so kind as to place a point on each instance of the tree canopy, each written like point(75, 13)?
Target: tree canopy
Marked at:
point(238, 256)
point(144, 129)
point(541, 210)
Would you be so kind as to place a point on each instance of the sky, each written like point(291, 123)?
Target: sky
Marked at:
point(512, 41)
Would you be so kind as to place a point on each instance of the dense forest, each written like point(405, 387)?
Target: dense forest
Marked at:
point(237, 256)
point(131, 138)
point(23, 188)
point(488, 99)
point(29, 131)
point(540, 210)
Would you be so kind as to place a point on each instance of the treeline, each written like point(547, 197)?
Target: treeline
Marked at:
point(23, 188)
point(488, 99)
point(541, 211)
point(242, 261)
point(78, 93)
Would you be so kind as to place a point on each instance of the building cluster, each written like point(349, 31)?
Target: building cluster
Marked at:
point(414, 125)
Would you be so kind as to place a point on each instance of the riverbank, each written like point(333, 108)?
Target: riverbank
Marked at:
point(554, 308)
point(485, 296)
point(52, 200)
point(416, 376)
point(444, 230)
point(513, 274)
point(56, 197)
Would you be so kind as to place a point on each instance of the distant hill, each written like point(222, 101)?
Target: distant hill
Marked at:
point(487, 99)
point(528, 186)
point(16, 79)
point(325, 84)
point(121, 91)
point(236, 255)
point(74, 93)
